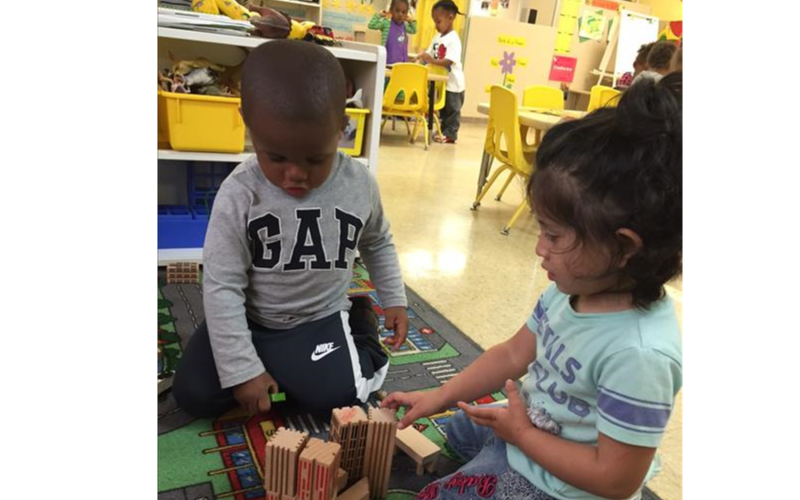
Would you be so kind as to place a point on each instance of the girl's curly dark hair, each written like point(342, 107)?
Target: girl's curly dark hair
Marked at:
point(621, 168)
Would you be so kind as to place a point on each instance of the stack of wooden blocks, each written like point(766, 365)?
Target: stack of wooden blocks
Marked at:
point(359, 456)
point(367, 446)
point(299, 468)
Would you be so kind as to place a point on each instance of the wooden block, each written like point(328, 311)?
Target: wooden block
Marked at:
point(341, 479)
point(318, 467)
point(421, 449)
point(326, 469)
point(349, 426)
point(379, 450)
point(280, 462)
point(305, 476)
point(359, 491)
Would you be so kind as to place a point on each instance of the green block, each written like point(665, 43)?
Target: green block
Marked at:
point(277, 397)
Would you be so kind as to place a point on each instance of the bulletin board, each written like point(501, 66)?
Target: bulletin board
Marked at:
point(508, 53)
point(634, 30)
point(588, 46)
point(345, 17)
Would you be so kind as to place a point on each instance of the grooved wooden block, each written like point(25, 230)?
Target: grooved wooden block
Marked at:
point(379, 450)
point(341, 479)
point(349, 427)
point(421, 449)
point(359, 491)
point(281, 455)
point(318, 467)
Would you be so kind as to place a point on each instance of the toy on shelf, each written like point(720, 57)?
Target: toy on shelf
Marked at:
point(223, 7)
point(183, 273)
point(272, 23)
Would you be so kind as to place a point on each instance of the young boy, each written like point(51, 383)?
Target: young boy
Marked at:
point(279, 253)
point(639, 65)
point(445, 52)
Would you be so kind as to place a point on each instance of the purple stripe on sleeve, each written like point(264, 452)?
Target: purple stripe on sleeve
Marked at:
point(632, 414)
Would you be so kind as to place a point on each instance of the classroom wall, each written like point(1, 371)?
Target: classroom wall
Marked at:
point(492, 45)
point(345, 18)
point(665, 10)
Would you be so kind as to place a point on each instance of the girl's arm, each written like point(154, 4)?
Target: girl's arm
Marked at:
point(611, 469)
point(411, 27)
point(509, 359)
point(377, 22)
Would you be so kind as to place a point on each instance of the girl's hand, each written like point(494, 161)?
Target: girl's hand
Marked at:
point(508, 423)
point(418, 404)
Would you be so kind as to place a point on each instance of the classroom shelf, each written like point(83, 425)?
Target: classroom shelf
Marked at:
point(168, 154)
point(296, 2)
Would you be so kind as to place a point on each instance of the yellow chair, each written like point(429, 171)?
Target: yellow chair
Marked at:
point(543, 96)
point(412, 80)
point(540, 96)
point(602, 96)
point(504, 124)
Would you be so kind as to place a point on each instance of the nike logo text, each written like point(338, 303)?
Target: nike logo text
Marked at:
point(323, 350)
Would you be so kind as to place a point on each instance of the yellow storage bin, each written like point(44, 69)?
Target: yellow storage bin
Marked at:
point(354, 132)
point(201, 122)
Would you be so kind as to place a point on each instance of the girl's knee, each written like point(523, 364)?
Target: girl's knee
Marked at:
point(462, 436)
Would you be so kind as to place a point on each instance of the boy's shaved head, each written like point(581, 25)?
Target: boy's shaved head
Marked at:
point(293, 80)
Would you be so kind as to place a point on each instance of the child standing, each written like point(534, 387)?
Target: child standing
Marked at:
point(602, 346)
point(445, 52)
point(395, 26)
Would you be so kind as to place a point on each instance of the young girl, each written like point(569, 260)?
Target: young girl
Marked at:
point(639, 65)
point(658, 62)
point(445, 51)
point(601, 348)
point(395, 26)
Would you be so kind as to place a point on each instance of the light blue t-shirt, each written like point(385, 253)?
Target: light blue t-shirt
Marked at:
point(615, 373)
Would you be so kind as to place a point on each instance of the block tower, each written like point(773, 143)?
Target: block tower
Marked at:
point(298, 468)
point(318, 468)
point(349, 429)
point(280, 463)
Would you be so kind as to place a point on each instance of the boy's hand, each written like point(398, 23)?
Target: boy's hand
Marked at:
point(508, 423)
point(396, 320)
point(424, 56)
point(253, 395)
point(418, 404)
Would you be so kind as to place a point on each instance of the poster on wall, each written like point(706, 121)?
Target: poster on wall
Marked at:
point(562, 69)
point(488, 8)
point(673, 31)
point(592, 26)
point(342, 15)
point(605, 4)
point(479, 8)
point(567, 21)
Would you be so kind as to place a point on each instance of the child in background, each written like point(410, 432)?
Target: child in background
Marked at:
point(395, 26)
point(639, 65)
point(445, 52)
point(676, 64)
point(658, 61)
